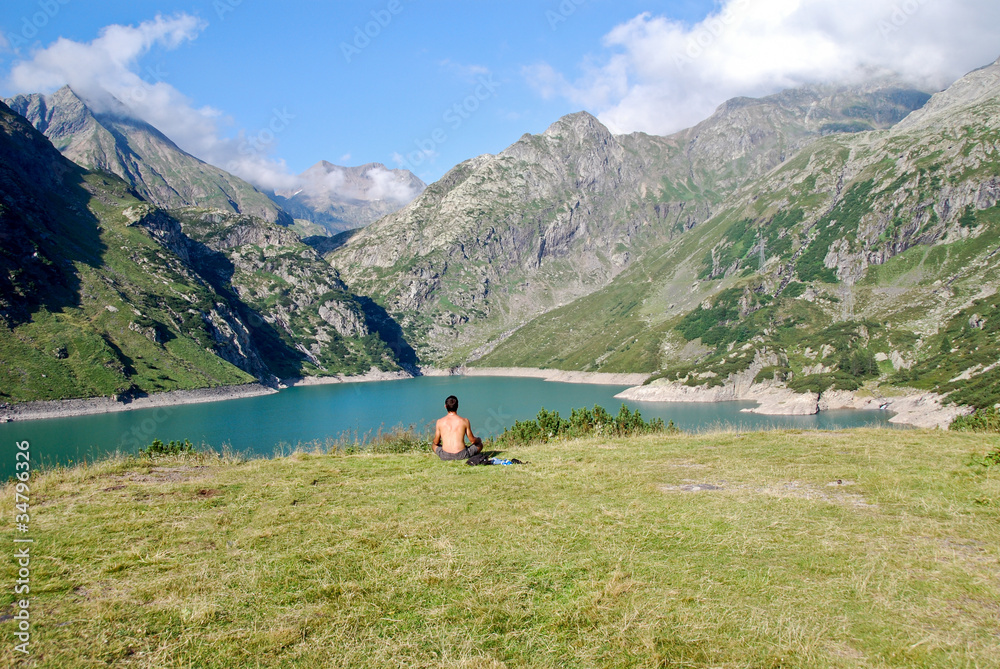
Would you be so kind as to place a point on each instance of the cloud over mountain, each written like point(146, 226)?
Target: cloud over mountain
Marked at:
point(659, 75)
point(106, 70)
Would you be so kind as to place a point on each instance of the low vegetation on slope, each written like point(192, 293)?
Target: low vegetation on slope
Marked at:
point(851, 549)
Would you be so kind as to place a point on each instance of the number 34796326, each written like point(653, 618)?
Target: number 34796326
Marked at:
point(22, 461)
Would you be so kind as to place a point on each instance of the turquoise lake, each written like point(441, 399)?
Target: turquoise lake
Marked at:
point(262, 425)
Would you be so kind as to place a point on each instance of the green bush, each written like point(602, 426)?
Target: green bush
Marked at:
point(794, 289)
point(398, 441)
point(158, 448)
point(983, 420)
point(968, 217)
point(549, 425)
point(772, 373)
point(853, 367)
point(813, 383)
point(992, 459)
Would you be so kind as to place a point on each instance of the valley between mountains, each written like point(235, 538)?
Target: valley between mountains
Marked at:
point(826, 246)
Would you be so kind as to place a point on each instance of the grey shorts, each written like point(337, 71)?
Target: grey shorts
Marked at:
point(468, 452)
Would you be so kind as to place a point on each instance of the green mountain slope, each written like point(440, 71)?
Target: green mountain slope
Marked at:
point(103, 294)
point(86, 296)
point(501, 239)
point(863, 256)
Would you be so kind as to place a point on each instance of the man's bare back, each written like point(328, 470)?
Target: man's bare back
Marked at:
point(450, 433)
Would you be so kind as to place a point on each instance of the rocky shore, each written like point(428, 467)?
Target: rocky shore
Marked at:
point(599, 378)
point(372, 375)
point(97, 405)
point(916, 408)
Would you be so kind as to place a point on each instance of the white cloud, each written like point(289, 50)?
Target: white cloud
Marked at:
point(388, 186)
point(377, 183)
point(660, 75)
point(106, 69)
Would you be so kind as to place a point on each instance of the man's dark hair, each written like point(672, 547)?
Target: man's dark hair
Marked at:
point(451, 404)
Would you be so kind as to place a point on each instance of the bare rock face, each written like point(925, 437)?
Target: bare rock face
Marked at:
point(348, 322)
point(162, 227)
point(234, 343)
point(975, 88)
point(293, 293)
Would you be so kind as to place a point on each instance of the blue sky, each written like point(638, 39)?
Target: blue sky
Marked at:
point(268, 89)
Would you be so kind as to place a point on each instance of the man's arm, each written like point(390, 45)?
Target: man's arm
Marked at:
point(473, 439)
point(437, 436)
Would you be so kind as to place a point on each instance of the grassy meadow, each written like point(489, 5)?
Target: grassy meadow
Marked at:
point(869, 548)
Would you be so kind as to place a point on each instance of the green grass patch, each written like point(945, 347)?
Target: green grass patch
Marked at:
point(728, 549)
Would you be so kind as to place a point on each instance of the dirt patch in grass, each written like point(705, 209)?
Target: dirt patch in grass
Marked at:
point(788, 490)
point(800, 490)
point(166, 474)
point(968, 550)
point(693, 487)
point(688, 465)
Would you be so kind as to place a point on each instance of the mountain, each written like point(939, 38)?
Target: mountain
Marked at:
point(501, 239)
point(156, 168)
point(343, 198)
point(862, 257)
point(103, 294)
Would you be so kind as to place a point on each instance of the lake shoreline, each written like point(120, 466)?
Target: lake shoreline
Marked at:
point(918, 409)
point(45, 409)
point(911, 407)
point(85, 406)
point(554, 375)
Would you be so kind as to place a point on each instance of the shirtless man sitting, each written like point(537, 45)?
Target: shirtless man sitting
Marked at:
point(450, 433)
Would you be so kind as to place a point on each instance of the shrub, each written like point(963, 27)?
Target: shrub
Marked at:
point(983, 420)
point(794, 289)
point(813, 383)
point(398, 440)
point(772, 373)
point(158, 448)
point(549, 425)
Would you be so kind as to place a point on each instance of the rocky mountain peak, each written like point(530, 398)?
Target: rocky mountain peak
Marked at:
point(58, 114)
point(108, 138)
point(576, 141)
point(577, 124)
point(579, 131)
